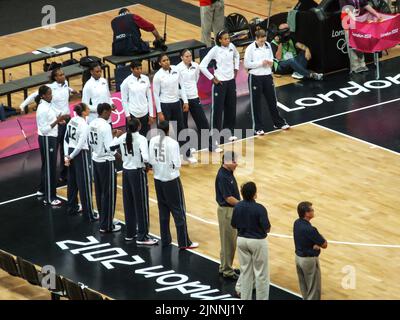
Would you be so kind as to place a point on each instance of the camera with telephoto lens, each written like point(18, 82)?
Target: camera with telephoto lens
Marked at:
point(159, 44)
point(283, 35)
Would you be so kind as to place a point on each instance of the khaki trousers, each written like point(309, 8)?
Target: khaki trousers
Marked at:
point(228, 236)
point(357, 59)
point(253, 258)
point(309, 274)
point(212, 19)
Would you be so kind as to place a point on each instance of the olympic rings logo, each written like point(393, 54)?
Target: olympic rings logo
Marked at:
point(116, 111)
point(342, 46)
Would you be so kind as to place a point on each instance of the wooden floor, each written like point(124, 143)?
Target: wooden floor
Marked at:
point(354, 190)
point(352, 186)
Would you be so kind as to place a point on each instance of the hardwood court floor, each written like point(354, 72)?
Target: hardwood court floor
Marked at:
point(353, 187)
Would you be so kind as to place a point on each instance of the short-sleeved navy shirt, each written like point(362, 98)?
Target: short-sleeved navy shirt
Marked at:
point(251, 220)
point(226, 186)
point(305, 237)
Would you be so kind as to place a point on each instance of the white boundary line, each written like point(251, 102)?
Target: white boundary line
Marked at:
point(308, 122)
point(16, 199)
point(65, 21)
point(284, 236)
point(202, 254)
point(356, 139)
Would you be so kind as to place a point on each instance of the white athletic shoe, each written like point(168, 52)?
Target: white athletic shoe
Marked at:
point(284, 127)
point(297, 76)
point(232, 138)
point(148, 242)
point(116, 228)
point(260, 132)
point(218, 150)
point(54, 203)
point(193, 245)
point(191, 160)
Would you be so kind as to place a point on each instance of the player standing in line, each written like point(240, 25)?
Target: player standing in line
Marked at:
point(60, 102)
point(190, 73)
point(136, 98)
point(47, 123)
point(96, 91)
point(224, 85)
point(166, 83)
point(105, 178)
point(165, 160)
point(77, 159)
point(135, 156)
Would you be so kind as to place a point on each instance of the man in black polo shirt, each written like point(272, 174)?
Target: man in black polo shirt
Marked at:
point(251, 221)
point(308, 242)
point(227, 196)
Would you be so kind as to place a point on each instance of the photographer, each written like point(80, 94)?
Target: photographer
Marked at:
point(127, 39)
point(291, 56)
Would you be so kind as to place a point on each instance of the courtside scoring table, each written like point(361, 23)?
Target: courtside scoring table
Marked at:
point(29, 58)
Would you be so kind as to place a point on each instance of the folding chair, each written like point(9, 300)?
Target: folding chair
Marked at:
point(29, 272)
point(91, 295)
point(8, 264)
point(73, 290)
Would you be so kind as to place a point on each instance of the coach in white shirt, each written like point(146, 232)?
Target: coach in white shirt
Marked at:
point(137, 99)
point(165, 159)
point(60, 102)
point(226, 57)
point(166, 83)
point(258, 59)
point(96, 91)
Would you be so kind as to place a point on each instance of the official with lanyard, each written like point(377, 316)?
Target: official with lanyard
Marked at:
point(258, 59)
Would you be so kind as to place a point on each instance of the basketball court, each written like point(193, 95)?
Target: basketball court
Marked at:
point(342, 153)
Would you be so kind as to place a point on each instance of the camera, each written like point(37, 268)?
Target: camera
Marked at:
point(283, 35)
point(159, 44)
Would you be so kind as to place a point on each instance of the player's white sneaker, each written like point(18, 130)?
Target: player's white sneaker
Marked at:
point(260, 132)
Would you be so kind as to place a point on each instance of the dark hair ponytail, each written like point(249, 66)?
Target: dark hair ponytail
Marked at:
point(182, 53)
point(133, 126)
point(79, 108)
point(54, 73)
point(219, 36)
point(159, 58)
point(163, 126)
point(42, 91)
